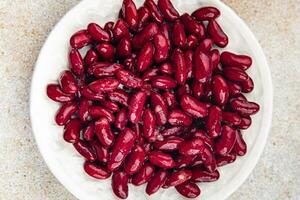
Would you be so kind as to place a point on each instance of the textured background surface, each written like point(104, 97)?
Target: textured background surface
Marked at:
point(24, 26)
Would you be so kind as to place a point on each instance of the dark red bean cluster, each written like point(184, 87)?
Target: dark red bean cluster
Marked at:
point(152, 101)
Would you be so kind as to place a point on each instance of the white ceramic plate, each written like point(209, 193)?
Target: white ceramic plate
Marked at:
point(66, 164)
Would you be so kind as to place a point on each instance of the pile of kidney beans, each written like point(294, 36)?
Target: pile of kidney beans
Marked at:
point(152, 101)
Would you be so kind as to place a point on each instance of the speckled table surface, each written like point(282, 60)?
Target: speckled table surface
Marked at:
point(24, 26)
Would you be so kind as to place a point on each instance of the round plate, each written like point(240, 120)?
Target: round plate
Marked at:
point(67, 165)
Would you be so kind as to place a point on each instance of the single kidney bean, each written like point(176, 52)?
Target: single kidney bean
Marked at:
point(240, 147)
point(247, 85)
point(235, 74)
point(161, 48)
point(98, 33)
point(65, 112)
point(143, 175)
point(192, 26)
point(159, 107)
point(213, 123)
point(233, 88)
point(121, 148)
point(89, 132)
point(120, 184)
point(163, 82)
point(226, 142)
point(179, 65)
point(90, 57)
point(120, 30)
point(220, 90)
point(83, 110)
point(191, 42)
point(104, 85)
point(206, 45)
point(136, 105)
point(230, 118)
point(149, 125)
point(103, 132)
point(178, 177)
point(144, 16)
point(170, 98)
point(144, 59)
point(206, 13)
point(128, 79)
point(198, 89)
point(179, 118)
point(193, 107)
point(167, 9)
point(165, 29)
point(96, 171)
point(97, 112)
point(202, 135)
point(145, 35)
point(183, 90)
point(68, 83)
point(217, 34)
point(175, 130)
point(245, 122)
point(76, 62)
point(178, 34)
point(130, 14)
point(166, 68)
point(118, 96)
point(134, 160)
point(192, 147)
point(149, 74)
point(243, 107)
point(80, 39)
point(208, 159)
point(188, 189)
point(121, 119)
point(158, 179)
point(215, 58)
point(84, 149)
point(241, 61)
point(104, 69)
point(106, 51)
point(169, 144)
point(226, 159)
point(124, 48)
point(200, 175)
point(155, 13)
point(108, 26)
point(183, 161)
point(87, 93)
point(162, 160)
point(72, 131)
point(202, 65)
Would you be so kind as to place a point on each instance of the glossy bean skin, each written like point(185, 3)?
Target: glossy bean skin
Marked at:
point(72, 131)
point(178, 177)
point(121, 148)
point(208, 159)
point(192, 26)
point(206, 45)
point(106, 51)
point(179, 66)
point(233, 88)
point(183, 90)
point(202, 135)
point(200, 175)
point(163, 82)
point(165, 29)
point(149, 125)
point(245, 122)
point(191, 42)
point(198, 89)
point(184, 161)
point(143, 175)
point(155, 13)
point(101, 152)
point(80, 39)
point(188, 190)
point(235, 74)
point(83, 110)
point(232, 59)
point(89, 132)
point(220, 90)
point(144, 16)
point(130, 14)
point(162, 160)
point(225, 160)
point(166, 68)
point(121, 119)
point(215, 58)
point(206, 13)
point(240, 147)
point(217, 34)
point(192, 147)
point(161, 48)
point(91, 57)
point(120, 184)
point(96, 171)
point(128, 79)
point(103, 132)
point(110, 105)
point(167, 9)
point(156, 181)
point(178, 34)
point(97, 112)
point(104, 85)
point(119, 96)
point(170, 99)
point(84, 149)
point(136, 105)
point(213, 123)
point(87, 93)
point(120, 29)
point(98, 33)
point(124, 48)
point(76, 62)
point(244, 107)
point(169, 144)
point(134, 160)
point(104, 69)
point(193, 107)
point(65, 112)
point(247, 85)
point(159, 107)
point(108, 26)
point(226, 142)
point(149, 74)
point(203, 66)
point(144, 59)
point(230, 118)
point(68, 83)
point(145, 35)
point(174, 130)
point(178, 118)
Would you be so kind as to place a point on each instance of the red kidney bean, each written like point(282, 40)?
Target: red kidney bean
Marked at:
point(198, 89)
point(213, 123)
point(80, 39)
point(106, 51)
point(97, 112)
point(226, 159)
point(244, 108)
point(220, 90)
point(159, 107)
point(241, 61)
point(121, 148)
point(72, 131)
point(65, 112)
point(101, 152)
point(208, 159)
point(149, 125)
point(230, 118)
point(240, 147)
point(188, 189)
point(89, 132)
point(206, 13)
point(87, 93)
point(179, 118)
point(128, 79)
point(143, 175)
point(235, 74)
point(203, 66)
point(145, 35)
point(158, 179)
point(96, 171)
point(103, 69)
point(155, 13)
point(206, 45)
point(202, 135)
point(247, 85)
point(166, 68)
point(83, 110)
point(192, 147)
point(226, 142)
point(134, 160)
point(120, 184)
point(240, 97)
point(217, 34)
point(84, 149)
point(175, 130)
point(245, 122)
point(130, 14)
point(163, 82)
point(104, 85)
point(120, 30)
point(215, 58)
point(200, 175)
point(162, 160)
point(193, 107)
point(183, 90)
point(233, 88)
point(170, 99)
point(161, 48)
point(149, 74)
point(112, 106)
point(136, 105)
point(118, 96)
point(109, 26)
point(103, 132)
point(68, 83)
point(98, 33)
point(178, 34)
point(192, 26)
point(207, 95)
point(90, 57)
point(124, 48)
point(165, 29)
point(167, 9)
point(178, 177)
point(121, 119)
point(184, 161)
point(179, 66)
point(144, 59)
point(76, 62)
point(143, 17)
point(169, 144)
point(191, 42)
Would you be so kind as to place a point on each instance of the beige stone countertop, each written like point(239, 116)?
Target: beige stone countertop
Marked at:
point(24, 26)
